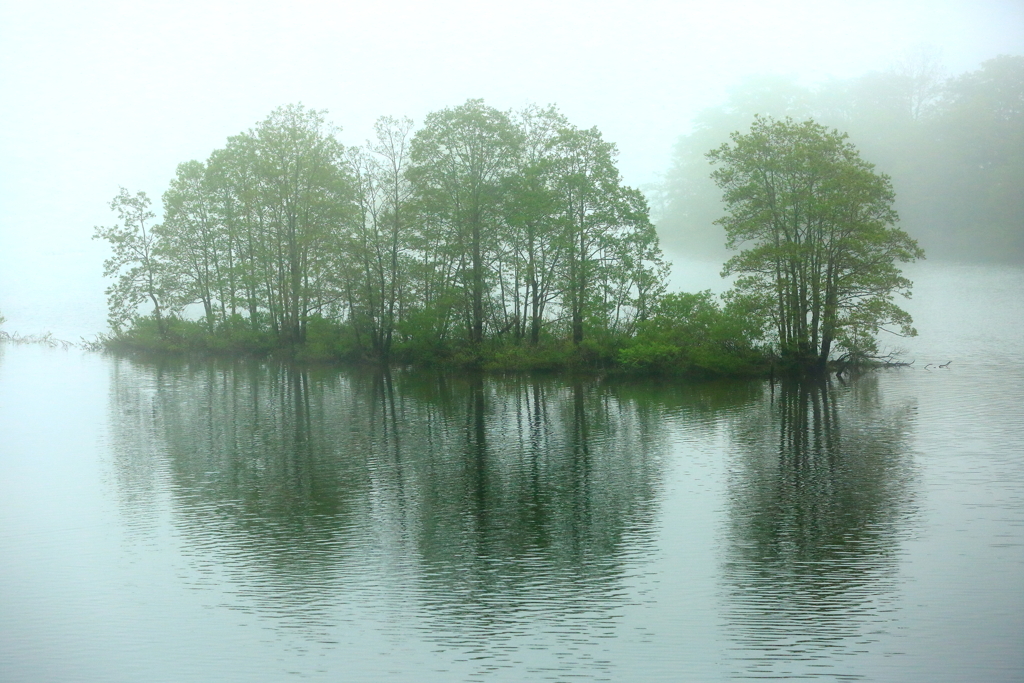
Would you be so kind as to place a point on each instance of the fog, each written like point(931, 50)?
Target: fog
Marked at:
point(113, 94)
point(953, 145)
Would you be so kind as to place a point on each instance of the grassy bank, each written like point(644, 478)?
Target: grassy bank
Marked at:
point(654, 351)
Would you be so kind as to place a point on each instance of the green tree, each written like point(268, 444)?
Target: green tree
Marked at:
point(461, 157)
point(140, 274)
point(245, 222)
point(192, 241)
point(378, 245)
point(818, 236)
point(611, 264)
point(307, 195)
point(392, 150)
point(530, 213)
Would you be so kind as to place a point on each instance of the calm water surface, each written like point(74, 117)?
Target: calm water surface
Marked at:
point(234, 521)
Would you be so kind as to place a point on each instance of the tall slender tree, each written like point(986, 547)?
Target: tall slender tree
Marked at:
point(139, 272)
point(611, 259)
point(308, 196)
point(530, 211)
point(192, 242)
point(461, 157)
point(380, 242)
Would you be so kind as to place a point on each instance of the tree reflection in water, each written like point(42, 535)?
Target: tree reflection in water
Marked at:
point(475, 510)
point(818, 503)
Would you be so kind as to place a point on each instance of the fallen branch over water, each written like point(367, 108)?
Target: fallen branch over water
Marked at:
point(849, 362)
point(46, 339)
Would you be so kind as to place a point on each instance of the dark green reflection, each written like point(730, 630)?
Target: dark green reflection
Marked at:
point(816, 509)
point(483, 506)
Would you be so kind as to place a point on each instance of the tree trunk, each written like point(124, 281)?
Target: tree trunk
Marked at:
point(477, 330)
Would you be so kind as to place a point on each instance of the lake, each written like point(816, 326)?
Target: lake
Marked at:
point(238, 521)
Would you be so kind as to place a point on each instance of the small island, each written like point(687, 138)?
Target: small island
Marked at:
point(504, 241)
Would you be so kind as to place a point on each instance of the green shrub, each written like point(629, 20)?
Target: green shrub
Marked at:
point(523, 356)
point(326, 340)
point(694, 334)
point(651, 357)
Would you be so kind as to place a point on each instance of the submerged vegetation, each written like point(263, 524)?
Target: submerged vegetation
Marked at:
point(42, 339)
point(501, 240)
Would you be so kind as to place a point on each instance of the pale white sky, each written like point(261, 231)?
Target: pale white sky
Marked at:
point(102, 94)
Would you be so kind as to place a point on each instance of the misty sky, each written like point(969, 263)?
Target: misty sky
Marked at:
point(103, 94)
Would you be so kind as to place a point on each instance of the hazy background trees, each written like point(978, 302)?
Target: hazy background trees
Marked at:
point(954, 148)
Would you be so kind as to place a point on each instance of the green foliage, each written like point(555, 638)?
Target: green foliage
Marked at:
point(611, 266)
point(236, 334)
point(694, 334)
point(460, 159)
point(190, 243)
point(140, 274)
point(523, 357)
point(378, 269)
point(179, 336)
point(652, 357)
point(327, 340)
point(481, 230)
point(816, 232)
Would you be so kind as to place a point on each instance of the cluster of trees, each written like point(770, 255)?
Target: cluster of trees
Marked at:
point(954, 148)
point(481, 226)
point(485, 233)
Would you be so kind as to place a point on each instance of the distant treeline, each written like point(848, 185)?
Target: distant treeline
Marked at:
point(954, 148)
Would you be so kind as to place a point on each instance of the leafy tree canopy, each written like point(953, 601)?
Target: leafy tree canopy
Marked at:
point(481, 227)
point(817, 238)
